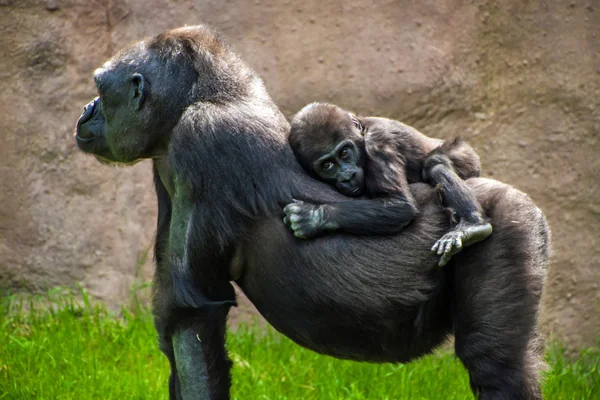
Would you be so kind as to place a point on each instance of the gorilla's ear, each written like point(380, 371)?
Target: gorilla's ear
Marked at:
point(138, 93)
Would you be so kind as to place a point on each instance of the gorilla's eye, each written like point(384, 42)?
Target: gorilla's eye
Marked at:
point(327, 166)
point(345, 153)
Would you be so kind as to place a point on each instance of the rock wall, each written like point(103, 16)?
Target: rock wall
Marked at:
point(520, 80)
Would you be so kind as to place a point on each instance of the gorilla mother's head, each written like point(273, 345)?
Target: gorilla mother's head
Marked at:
point(139, 105)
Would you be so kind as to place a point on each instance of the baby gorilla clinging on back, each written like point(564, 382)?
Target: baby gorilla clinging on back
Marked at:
point(379, 157)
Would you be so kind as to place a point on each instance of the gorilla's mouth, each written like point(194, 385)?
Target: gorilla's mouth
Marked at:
point(89, 111)
point(355, 192)
point(352, 189)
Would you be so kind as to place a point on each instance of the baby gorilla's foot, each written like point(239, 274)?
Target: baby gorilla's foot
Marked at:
point(463, 235)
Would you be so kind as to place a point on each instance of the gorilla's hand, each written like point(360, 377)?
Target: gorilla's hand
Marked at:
point(305, 220)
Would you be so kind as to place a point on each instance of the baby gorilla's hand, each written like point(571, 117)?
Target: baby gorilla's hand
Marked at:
point(304, 219)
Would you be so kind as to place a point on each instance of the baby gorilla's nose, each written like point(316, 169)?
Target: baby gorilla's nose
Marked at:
point(348, 176)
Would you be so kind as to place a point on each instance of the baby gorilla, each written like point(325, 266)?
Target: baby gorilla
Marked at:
point(379, 158)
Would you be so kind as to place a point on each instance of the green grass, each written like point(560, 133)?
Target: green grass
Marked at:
point(68, 351)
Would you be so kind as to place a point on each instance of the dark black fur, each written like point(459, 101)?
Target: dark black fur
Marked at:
point(223, 170)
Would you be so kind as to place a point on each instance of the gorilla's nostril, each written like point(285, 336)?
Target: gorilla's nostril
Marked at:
point(88, 112)
point(83, 134)
point(350, 177)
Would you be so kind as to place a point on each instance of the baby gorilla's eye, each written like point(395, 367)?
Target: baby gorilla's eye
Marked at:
point(327, 166)
point(345, 153)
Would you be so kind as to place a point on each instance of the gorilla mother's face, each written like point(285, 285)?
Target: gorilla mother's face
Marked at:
point(114, 126)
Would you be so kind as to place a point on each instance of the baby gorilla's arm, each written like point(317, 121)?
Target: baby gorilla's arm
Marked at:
point(360, 217)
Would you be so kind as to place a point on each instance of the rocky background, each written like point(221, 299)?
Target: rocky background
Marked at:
point(520, 80)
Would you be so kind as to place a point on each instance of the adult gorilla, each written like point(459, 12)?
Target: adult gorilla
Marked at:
point(223, 171)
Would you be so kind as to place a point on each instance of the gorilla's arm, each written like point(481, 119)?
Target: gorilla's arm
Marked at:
point(361, 217)
point(201, 291)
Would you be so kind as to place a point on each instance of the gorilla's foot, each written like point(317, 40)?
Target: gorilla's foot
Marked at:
point(463, 235)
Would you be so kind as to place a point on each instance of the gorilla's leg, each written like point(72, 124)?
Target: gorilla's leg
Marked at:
point(203, 368)
point(472, 227)
point(498, 289)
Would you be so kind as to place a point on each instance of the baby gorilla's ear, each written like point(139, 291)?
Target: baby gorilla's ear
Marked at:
point(356, 122)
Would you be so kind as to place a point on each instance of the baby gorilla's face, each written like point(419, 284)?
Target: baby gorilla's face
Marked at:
point(342, 167)
point(329, 143)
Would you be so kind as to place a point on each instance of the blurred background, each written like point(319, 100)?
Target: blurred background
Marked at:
point(519, 80)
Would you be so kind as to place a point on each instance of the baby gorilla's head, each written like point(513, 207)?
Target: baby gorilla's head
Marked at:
point(328, 142)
